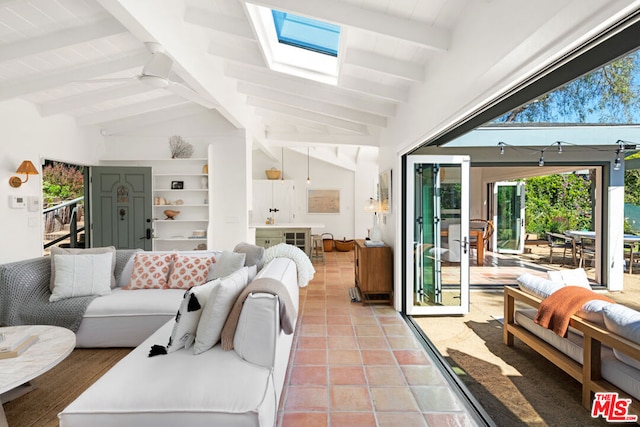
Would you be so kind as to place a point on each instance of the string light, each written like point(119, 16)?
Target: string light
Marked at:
point(541, 161)
point(559, 146)
point(617, 163)
point(501, 145)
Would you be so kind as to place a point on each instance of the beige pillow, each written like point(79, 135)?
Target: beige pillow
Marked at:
point(55, 250)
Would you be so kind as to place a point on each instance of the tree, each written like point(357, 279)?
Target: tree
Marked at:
point(62, 181)
point(609, 94)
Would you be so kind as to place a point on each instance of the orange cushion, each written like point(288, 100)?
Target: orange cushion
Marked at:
point(189, 271)
point(150, 271)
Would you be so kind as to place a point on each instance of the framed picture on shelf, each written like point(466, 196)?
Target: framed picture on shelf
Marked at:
point(323, 201)
point(384, 189)
point(177, 185)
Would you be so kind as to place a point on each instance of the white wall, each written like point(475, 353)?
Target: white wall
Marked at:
point(27, 136)
point(229, 155)
point(355, 188)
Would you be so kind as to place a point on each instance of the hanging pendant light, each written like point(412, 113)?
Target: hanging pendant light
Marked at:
point(308, 176)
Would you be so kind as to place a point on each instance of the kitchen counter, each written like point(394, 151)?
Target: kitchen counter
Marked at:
point(288, 225)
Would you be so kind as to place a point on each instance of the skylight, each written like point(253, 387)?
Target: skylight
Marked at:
point(306, 33)
point(297, 45)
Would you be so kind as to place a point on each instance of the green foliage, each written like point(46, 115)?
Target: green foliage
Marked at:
point(609, 94)
point(62, 182)
point(555, 203)
point(632, 186)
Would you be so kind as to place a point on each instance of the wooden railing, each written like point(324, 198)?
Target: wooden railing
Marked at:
point(70, 208)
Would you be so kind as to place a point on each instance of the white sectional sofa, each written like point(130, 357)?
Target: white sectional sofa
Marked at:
point(223, 388)
point(601, 348)
point(229, 387)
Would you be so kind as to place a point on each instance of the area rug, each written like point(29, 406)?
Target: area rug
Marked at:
point(60, 386)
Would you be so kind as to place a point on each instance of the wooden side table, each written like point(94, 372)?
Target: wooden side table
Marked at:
point(374, 273)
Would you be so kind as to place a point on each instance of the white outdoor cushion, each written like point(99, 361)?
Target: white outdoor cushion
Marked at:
point(217, 309)
point(625, 322)
point(593, 311)
point(188, 316)
point(538, 286)
point(574, 277)
point(82, 275)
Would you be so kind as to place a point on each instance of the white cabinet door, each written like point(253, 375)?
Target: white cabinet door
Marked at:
point(273, 198)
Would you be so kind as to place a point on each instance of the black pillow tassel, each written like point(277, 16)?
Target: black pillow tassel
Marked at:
point(157, 350)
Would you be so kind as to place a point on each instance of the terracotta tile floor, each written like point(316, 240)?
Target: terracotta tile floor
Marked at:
point(355, 365)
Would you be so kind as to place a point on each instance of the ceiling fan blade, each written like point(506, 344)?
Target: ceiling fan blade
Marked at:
point(187, 93)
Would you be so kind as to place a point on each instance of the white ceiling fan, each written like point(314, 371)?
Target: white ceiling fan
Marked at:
point(156, 73)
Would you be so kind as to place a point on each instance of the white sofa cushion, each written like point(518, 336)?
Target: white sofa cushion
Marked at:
point(82, 275)
point(538, 286)
point(542, 287)
point(572, 277)
point(177, 389)
point(625, 322)
point(56, 250)
point(227, 263)
point(217, 309)
point(188, 316)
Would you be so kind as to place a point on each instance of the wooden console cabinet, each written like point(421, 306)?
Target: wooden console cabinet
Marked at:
point(374, 273)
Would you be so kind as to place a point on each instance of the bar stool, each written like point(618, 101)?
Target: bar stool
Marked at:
point(317, 247)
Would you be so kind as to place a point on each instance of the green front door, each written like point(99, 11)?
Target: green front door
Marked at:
point(121, 207)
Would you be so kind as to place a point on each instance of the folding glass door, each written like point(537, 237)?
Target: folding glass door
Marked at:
point(508, 202)
point(437, 239)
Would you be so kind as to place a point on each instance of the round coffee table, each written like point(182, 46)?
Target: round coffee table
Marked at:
point(54, 344)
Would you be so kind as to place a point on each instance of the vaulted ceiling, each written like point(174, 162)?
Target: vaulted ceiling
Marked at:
point(84, 58)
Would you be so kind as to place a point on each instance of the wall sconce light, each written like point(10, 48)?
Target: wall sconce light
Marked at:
point(27, 168)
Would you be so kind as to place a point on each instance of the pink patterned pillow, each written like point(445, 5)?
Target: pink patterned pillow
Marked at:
point(189, 270)
point(150, 270)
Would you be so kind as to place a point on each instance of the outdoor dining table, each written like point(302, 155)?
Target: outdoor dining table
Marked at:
point(579, 234)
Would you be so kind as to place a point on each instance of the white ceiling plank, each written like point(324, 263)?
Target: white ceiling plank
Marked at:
point(351, 16)
point(150, 118)
point(314, 90)
point(59, 39)
point(308, 115)
point(373, 88)
point(303, 103)
point(18, 87)
point(249, 56)
point(384, 64)
point(217, 22)
point(130, 110)
point(306, 139)
point(74, 102)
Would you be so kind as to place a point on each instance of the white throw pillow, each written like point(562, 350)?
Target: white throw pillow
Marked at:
point(56, 250)
point(625, 322)
point(538, 286)
point(188, 316)
point(593, 311)
point(227, 263)
point(82, 275)
point(575, 277)
point(217, 309)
